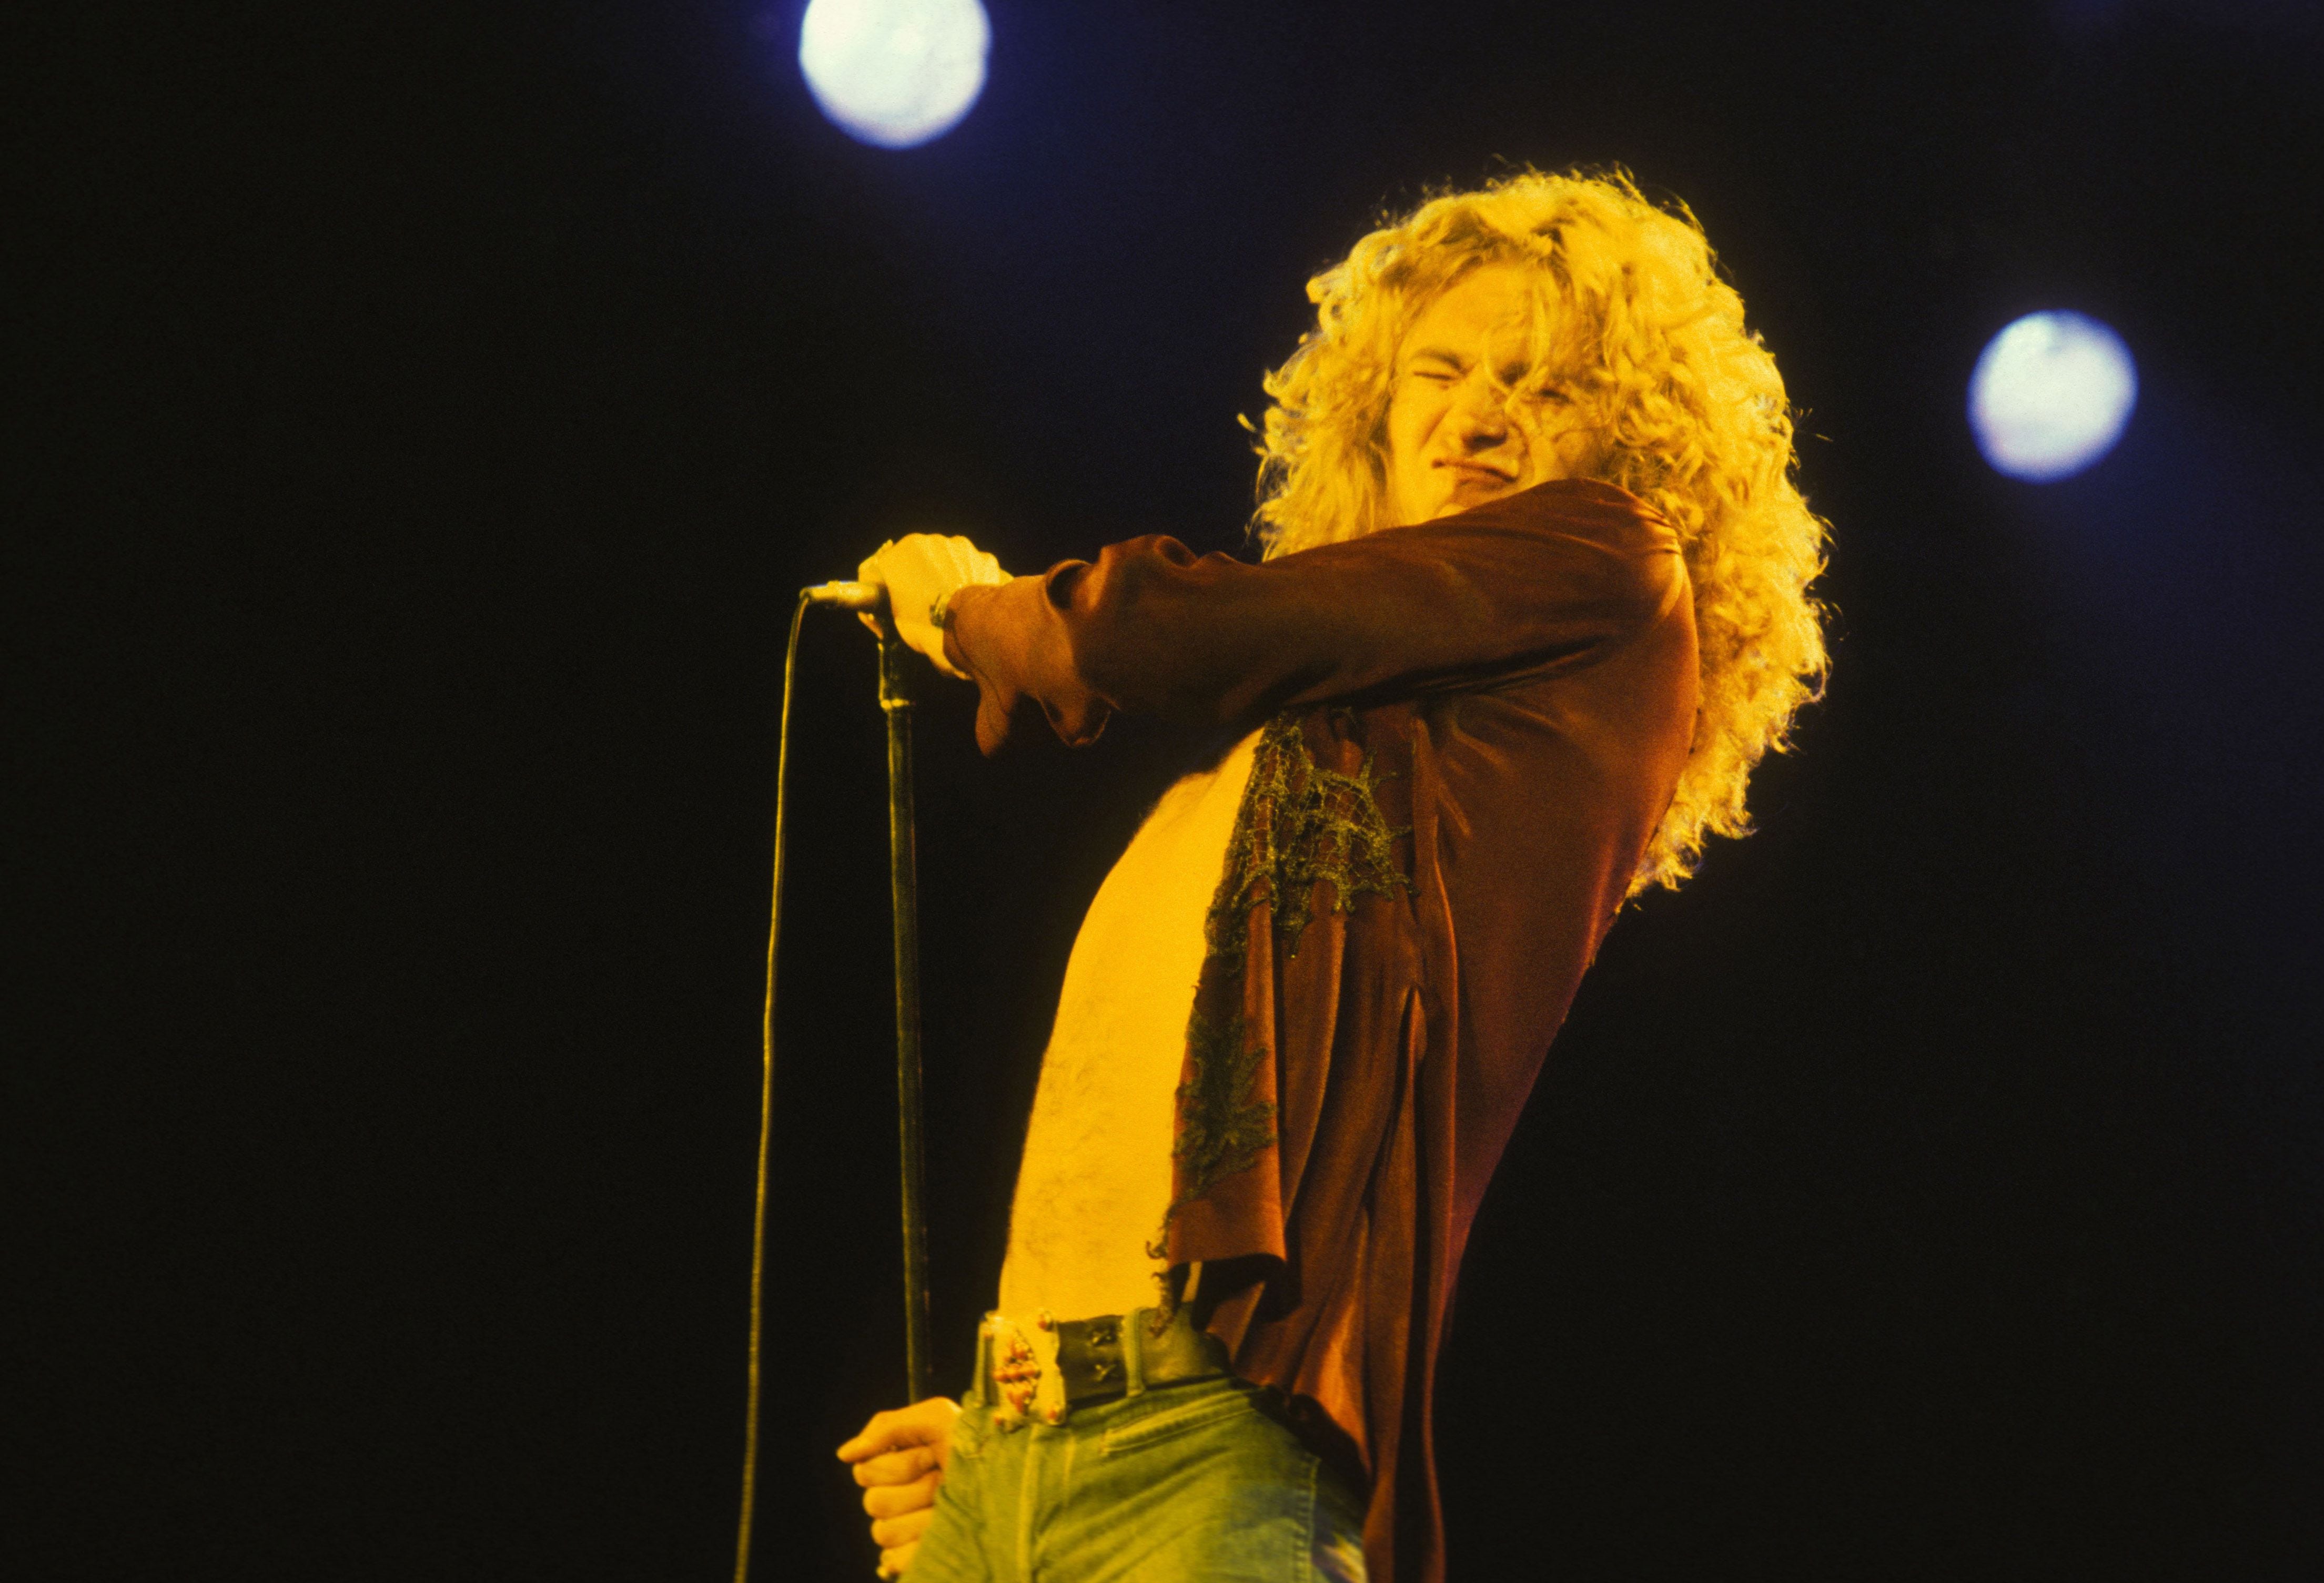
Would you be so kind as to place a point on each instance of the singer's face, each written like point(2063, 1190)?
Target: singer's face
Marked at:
point(1459, 434)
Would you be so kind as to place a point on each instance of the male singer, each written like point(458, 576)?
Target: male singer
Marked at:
point(1534, 603)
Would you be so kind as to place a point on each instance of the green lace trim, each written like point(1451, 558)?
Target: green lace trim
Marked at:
point(1300, 824)
point(1222, 1129)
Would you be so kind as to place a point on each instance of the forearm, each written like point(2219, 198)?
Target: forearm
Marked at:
point(1152, 628)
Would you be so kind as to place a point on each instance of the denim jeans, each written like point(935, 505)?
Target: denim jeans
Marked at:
point(1195, 1483)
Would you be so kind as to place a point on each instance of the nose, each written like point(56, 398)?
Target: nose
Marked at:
point(1481, 417)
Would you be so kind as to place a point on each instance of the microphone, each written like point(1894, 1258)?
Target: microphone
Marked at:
point(848, 595)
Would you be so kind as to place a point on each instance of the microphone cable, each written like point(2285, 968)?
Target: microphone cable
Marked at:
point(767, 1098)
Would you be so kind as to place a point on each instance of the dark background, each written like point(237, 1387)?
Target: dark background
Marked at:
point(419, 423)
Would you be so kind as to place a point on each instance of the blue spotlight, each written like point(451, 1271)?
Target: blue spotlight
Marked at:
point(2050, 394)
point(894, 73)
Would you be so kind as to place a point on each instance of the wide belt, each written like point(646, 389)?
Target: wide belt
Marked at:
point(1058, 1364)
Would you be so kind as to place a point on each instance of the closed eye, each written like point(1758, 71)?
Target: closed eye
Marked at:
point(1436, 364)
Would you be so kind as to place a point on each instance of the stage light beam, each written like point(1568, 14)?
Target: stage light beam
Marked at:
point(894, 73)
point(2050, 395)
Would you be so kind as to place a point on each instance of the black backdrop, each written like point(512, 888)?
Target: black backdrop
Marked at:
point(419, 421)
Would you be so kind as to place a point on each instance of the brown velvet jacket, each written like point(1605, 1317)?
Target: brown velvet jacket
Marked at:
point(1473, 728)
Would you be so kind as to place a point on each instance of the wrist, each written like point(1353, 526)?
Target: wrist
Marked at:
point(958, 606)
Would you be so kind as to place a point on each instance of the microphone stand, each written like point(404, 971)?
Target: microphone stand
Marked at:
point(904, 896)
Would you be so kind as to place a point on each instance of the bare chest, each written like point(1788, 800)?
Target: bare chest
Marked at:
point(1095, 1180)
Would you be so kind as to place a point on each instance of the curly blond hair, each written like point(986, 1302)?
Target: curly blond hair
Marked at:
point(1684, 409)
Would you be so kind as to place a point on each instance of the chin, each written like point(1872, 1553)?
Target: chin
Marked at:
point(1469, 497)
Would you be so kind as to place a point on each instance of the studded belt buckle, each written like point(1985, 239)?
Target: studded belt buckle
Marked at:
point(1023, 1370)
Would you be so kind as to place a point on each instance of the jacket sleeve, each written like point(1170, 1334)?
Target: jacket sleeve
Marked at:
point(1539, 578)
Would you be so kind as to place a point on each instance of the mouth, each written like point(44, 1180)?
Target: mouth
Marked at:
point(1476, 473)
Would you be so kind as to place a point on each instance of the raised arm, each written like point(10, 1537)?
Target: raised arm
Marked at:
point(1539, 578)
